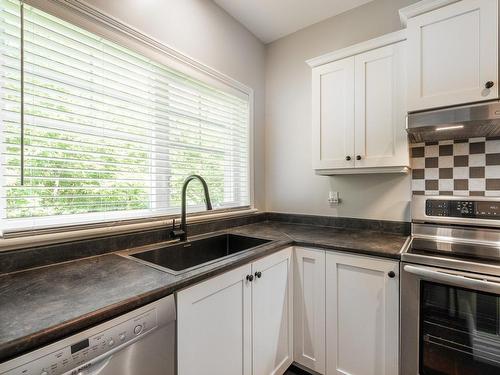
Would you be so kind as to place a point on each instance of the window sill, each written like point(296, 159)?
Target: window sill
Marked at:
point(22, 242)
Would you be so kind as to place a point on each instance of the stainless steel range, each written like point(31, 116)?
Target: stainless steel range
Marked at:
point(450, 287)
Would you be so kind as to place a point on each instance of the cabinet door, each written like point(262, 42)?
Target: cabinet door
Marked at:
point(453, 52)
point(362, 324)
point(214, 326)
point(309, 308)
point(333, 114)
point(272, 314)
point(380, 102)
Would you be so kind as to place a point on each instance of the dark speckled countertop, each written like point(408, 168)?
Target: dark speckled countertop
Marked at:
point(41, 305)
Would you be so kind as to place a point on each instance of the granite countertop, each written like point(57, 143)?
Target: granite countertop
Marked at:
point(42, 305)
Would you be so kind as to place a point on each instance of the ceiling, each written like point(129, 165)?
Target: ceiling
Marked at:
point(272, 19)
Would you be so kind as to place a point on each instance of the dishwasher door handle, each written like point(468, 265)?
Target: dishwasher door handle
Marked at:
point(94, 369)
point(448, 276)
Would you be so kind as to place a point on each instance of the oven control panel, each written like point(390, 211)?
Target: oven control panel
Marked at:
point(463, 209)
point(79, 355)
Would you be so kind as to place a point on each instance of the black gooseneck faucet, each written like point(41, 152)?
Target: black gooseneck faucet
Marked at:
point(181, 233)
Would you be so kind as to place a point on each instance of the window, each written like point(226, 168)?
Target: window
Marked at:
point(100, 132)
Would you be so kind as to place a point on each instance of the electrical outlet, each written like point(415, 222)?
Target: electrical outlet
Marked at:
point(333, 198)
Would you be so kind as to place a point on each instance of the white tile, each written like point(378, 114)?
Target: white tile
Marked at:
point(460, 173)
point(477, 184)
point(432, 192)
point(418, 185)
point(478, 139)
point(445, 162)
point(460, 149)
point(446, 185)
point(477, 160)
point(492, 146)
point(431, 151)
point(492, 171)
point(445, 142)
point(431, 173)
point(461, 193)
point(492, 193)
point(418, 163)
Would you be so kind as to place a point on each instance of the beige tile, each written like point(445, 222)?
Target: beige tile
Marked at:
point(460, 172)
point(446, 185)
point(431, 173)
point(418, 185)
point(477, 184)
point(477, 160)
point(460, 148)
point(445, 162)
point(432, 151)
point(493, 146)
point(418, 163)
point(492, 171)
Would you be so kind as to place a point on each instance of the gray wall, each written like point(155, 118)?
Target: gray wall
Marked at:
point(203, 31)
point(291, 185)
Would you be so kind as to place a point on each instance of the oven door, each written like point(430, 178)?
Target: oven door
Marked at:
point(450, 322)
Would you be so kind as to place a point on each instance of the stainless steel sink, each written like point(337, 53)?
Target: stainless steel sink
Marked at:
point(185, 256)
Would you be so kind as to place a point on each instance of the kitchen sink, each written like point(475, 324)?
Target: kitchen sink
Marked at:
point(184, 256)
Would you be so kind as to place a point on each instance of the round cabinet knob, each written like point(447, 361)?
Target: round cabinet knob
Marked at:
point(250, 278)
point(489, 84)
point(392, 274)
point(258, 274)
point(348, 158)
point(358, 157)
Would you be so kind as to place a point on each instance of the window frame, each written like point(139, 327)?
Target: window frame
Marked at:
point(105, 26)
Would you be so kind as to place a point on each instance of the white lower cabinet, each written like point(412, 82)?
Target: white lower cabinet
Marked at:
point(309, 308)
point(272, 308)
point(332, 312)
point(229, 325)
point(214, 326)
point(362, 315)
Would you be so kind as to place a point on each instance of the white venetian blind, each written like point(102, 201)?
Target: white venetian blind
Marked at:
point(108, 133)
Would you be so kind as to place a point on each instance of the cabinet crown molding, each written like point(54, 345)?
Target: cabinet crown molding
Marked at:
point(421, 7)
point(355, 49)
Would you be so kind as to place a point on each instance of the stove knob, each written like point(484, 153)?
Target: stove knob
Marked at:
point(122, 336)
point(44, 373)
point(111, 342)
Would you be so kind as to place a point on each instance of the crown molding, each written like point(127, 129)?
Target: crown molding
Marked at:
point(355, 49)
point(421, 7)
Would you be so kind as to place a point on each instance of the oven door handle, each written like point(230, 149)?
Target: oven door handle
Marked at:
point(454, 278)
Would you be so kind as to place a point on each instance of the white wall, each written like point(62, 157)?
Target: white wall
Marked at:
point(291, 185)
point(203, 31)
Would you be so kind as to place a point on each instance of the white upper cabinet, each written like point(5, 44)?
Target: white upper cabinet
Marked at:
point(453, 54)
point(380, 135)
point(359, 108)
point(333, 115)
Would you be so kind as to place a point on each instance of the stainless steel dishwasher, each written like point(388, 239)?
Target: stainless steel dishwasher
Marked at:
point(141, 342)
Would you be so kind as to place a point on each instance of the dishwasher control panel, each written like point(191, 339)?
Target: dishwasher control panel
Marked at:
point(75, 357)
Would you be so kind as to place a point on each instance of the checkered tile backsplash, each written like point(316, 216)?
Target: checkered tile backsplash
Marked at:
point(464, 167)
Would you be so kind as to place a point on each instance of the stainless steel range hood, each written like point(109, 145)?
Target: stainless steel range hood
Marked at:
point(469, 121)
